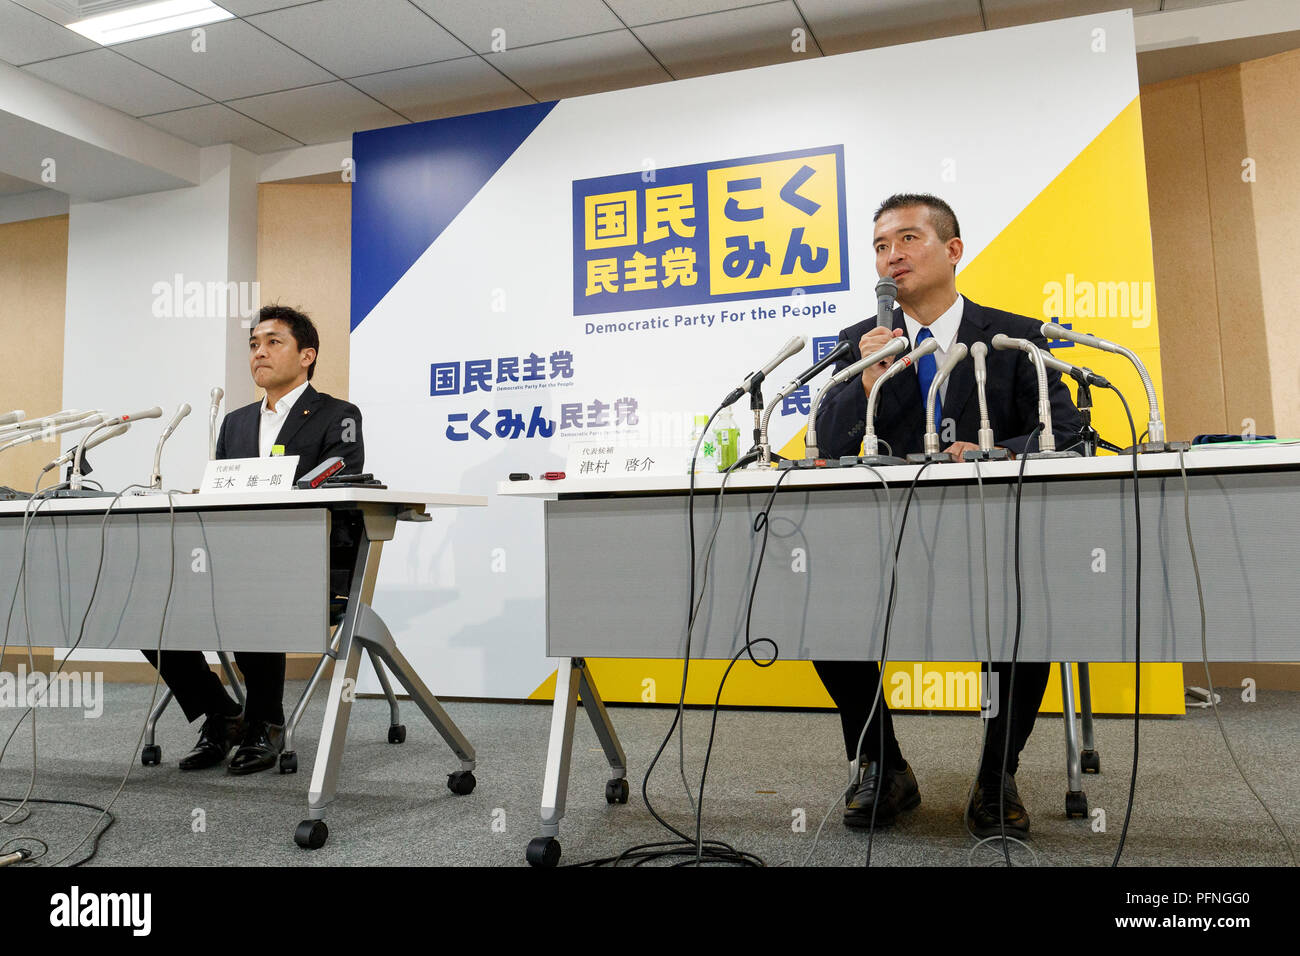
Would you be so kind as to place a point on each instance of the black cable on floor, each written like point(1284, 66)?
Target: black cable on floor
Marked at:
point(1137, 639)
point(1015, 650)
point(884, 654)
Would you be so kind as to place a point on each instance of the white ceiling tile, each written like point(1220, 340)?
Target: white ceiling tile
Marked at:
point(215, 124)
point(524, 23)
point(607, 61)
point(637, 12)
point(26, 37)
point(1186, 4)
point(452, 88)
point(319, 114)
point(238, 61)
point(353, 37)
point(732, 40)
point(1010, 13)
point(248, 8)
point(842, 26)
point(106, 77)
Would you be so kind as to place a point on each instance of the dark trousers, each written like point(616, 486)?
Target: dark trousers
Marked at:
point(852, 685)
point(200, 692)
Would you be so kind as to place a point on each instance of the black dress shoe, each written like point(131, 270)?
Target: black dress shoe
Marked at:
point(216, 738)
point(983, 813)
point(260, 749)
point(898, 792)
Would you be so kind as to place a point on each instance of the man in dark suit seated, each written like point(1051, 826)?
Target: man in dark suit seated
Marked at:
point(292, 419)
point(918, 244)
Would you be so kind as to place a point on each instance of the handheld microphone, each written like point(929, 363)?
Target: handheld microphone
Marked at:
point(842, 349)
point(155, 479)
point(870, 443)
point(1155, 427)
point(215, 397)
point(1046, 440)
point(893, 347)
point(955, 355)
point(755, 379)
point(8, 418)
point(886, 290)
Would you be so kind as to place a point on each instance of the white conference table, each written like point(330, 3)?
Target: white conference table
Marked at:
point(617, 570)
point(248, 572)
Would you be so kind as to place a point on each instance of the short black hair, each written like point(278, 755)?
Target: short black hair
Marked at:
point(300, 327)
point(942, 217)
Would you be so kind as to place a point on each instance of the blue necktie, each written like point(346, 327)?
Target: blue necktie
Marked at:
point(926, 368)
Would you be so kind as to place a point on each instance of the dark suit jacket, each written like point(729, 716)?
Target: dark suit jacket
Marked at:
point(1012, 393)
point(314, 430)
point(318, 427)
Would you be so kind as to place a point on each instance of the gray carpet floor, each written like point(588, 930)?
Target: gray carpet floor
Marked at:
point(769, 769)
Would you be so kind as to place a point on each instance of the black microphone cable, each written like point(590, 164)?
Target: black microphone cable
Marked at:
point(1137, 632)
point(762, 524)
point(875, 701)
point(1015, 651)
point(1205, 659)
point(104, 812)
point(884, 654)
point(985, 720)
point(685, 846)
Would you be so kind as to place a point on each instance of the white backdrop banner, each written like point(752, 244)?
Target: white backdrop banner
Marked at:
point(603, 268)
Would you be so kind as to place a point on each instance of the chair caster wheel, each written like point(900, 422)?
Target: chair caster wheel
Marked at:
point(543, 852)
point(311, 834)
point(461, 782)
point(1090, 761)
point(1076, 805)
point(616, 791)
point(397, 734)
point(151, 755)
point(289, 762)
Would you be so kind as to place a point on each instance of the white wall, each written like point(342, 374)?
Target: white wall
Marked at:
point(120, 356)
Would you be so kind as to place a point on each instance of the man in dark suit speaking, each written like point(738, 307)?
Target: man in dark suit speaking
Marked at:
point(918, 244)
point(292, 419)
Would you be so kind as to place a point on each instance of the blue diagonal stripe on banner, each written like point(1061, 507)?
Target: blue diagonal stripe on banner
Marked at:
point(396, 214)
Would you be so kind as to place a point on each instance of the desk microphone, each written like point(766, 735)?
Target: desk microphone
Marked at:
point(155, 479)
point(893, 347)
point(755, 379)
point(843, 348)
point(216, 395)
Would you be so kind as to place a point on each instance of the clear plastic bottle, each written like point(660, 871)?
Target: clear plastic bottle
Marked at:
point(727, 436)
point(706, 459)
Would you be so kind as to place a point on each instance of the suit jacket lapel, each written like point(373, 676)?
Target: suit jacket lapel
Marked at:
point(302, 410)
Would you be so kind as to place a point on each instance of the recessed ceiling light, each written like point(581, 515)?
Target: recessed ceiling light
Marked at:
point(149, 19)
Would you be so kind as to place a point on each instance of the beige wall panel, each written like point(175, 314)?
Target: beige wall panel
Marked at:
point(304, 241)
point(1179, 200)
point(33, 295)
point(1271, 94)
point(1245, 361)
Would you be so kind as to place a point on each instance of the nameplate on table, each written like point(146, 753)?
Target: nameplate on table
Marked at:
point(604, 460)
point(234, 476)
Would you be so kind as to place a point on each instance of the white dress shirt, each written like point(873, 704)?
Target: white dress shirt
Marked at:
point(273, 419)
point(944, 329)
